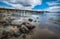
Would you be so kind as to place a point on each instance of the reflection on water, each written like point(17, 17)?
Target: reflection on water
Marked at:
point(50, 21)
point(50, 17)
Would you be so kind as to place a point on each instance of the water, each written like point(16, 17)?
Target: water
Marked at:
point(50, 17)
point(50, 21)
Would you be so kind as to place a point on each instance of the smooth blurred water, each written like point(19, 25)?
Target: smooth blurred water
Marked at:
point(50, 21)
point(50, 17)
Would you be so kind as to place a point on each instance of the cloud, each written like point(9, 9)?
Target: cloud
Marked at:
point(54, 3)
point(53, 9)
point(54, 6)
point(23, 4)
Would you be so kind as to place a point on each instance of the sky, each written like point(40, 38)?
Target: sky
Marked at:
point(50, 5)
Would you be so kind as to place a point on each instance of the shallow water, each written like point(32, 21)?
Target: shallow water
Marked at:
point(50, 21)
